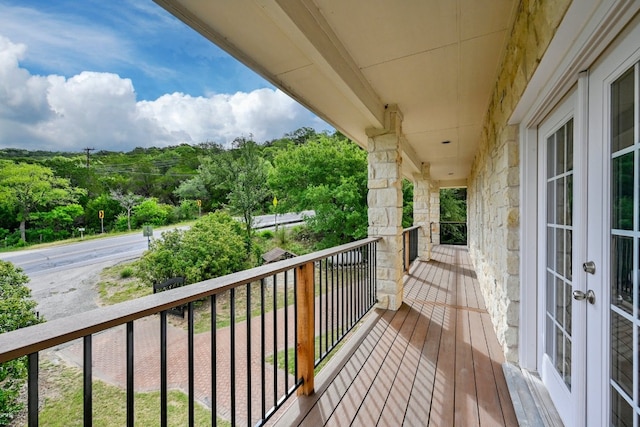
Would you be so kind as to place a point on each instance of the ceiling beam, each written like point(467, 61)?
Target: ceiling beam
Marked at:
point(328, 53)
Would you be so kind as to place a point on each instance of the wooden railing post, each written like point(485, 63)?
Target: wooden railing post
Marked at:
point(306, 327)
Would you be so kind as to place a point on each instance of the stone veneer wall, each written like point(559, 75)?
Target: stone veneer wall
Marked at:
point(493, 186)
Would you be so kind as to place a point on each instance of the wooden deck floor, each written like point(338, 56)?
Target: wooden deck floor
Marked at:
point(434, 362)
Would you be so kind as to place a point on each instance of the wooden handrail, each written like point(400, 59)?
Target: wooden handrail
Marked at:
point(45, 335)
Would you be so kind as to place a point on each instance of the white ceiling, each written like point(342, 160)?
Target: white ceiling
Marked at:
point(437, 60)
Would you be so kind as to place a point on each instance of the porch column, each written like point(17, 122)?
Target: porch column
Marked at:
point(434, 210)
point(385, 206)
point(422, 210)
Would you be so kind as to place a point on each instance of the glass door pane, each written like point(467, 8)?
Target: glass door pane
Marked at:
point(559, 200)
point(625, 238)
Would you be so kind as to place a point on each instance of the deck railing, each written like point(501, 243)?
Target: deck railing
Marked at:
point(283, 319)
point(409, 246)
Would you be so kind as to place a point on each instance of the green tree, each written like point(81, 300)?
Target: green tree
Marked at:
point(212, 182)
point(407, 203)
point(453, 208)
point(30, 187)
point(127, 201)
point(248, 178)
point(58, 223)
point(237, 177)
point(453, 204)
point(212, 247)
point(16, 311)
point(109, 206)
point(328, 175)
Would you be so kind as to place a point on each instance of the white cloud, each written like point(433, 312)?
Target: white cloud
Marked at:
point(100, 110)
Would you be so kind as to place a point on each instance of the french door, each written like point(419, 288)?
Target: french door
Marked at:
point(589, 234)
point(614, 238)
point(562, 325)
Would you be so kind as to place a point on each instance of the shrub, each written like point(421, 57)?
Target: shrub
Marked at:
point(16, 311)
point(126, 272)
point(120, 223)
point(213, 247)
point(188, 210)
point(150, 212)
point(266, 234)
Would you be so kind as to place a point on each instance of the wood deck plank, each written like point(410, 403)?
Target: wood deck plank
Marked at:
point(419, 404)
point(396, 405)
point(488, 403)
point(442, 402)
point(466, 408)
point(497, 357)
point(436, 361)
point(378, 394)
point(329, 397)
point(350, 404)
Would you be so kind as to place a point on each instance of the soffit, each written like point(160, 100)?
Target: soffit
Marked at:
point(345, 60)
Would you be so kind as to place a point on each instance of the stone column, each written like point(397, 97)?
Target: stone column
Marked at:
point(385, 206)
point(434, 209)
point(421, 210)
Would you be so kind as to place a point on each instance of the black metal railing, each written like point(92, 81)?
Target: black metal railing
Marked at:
point(453, 233)
point(409, 246)
point(346, 291)
point(269, 327)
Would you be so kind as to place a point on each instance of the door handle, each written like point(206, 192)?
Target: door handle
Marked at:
point(589, 267)
point(590, 296)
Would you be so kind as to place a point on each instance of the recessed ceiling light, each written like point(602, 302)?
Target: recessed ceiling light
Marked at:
point(446, 142)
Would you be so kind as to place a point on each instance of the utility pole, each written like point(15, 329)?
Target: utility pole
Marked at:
point(88, 151)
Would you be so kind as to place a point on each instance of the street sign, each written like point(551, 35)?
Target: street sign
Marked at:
point(199, 202)
point(100, 214)
point(275, 201)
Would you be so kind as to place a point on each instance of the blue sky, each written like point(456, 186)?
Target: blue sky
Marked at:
point(125, 73)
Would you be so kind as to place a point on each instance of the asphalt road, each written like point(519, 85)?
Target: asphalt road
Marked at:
point(63, 277)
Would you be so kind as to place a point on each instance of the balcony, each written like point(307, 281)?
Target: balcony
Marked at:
point(435, 360)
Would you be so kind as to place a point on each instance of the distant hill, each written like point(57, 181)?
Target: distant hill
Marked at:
point(19, 153)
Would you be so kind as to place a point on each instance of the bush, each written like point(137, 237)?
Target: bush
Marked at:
point(213, 247)
point(16, 311)
point(126, 272)
point(187, 211)
point(150, 212)
point(266, 234)
point(121, 224)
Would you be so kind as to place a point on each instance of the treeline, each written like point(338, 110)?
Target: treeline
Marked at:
point(50, 196)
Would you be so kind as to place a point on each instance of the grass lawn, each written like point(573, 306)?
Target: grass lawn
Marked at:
point(291, 354)
point(63, 402)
